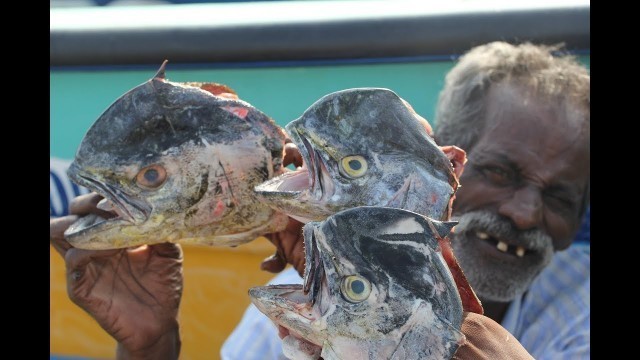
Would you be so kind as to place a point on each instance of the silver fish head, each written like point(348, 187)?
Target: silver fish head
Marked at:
point(363, 146)
point(376, 285)
point(177, 162)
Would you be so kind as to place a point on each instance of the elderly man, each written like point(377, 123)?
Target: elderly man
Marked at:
point(522, 115)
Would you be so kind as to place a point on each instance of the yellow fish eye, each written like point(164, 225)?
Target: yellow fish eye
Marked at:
point(355, 288)
point(151, 176)
point(353, 166)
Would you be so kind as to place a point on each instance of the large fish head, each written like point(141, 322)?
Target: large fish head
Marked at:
point(378, 288)
point(177, 161)
point(363, 146)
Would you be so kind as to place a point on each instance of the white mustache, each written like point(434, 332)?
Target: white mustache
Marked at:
point(498, 226)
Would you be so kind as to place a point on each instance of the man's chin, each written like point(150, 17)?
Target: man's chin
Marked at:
point(496, 278)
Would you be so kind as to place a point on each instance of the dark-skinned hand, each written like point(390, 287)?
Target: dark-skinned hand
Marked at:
point(486, 339)
point(134, 294)
point(289, 242)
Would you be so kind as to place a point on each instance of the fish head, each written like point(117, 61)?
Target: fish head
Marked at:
point(375, 286)
point(175, 161)
point(360, 147)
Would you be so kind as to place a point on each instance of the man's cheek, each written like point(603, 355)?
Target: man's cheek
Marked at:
point(561, 230)
point(473, 195)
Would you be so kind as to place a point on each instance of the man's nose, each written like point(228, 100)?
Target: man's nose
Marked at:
point(524, 208)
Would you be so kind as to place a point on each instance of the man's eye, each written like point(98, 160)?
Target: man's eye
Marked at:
point(497, 175)
point(559, 201)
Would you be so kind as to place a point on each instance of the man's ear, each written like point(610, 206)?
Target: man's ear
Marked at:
point(457, 156)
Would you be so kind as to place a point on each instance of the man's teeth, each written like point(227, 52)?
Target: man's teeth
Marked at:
point(501, 245)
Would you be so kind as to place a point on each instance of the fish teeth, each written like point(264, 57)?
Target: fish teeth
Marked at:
point(482, 235)
point(502, 246)
point(520, 251)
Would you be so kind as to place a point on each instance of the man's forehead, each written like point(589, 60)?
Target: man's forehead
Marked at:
point(516, 112)
point(523, 130)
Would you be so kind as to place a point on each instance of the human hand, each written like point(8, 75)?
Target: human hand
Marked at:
point(291, 154)
point(486, 339)
point(134, 294)
point(289, 242)
point(289, 245)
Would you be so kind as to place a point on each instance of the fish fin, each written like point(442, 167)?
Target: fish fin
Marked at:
point(441, 228)
point(161, 72)
point(220, 90)
point(421, 194)
point(328, 353)
point(427, 337)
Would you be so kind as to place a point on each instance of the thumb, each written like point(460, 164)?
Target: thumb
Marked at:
point(57, 226)
point(274, 263)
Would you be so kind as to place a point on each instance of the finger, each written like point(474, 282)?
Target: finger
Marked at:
point(57, 226)
point(292, 155)
point(79, 258)
point(290, 244)
point(457, 156)
point(167, 250)
point(274, 263)
point(298, 260)
point(486, 339)
point(76, 261)
point(87, 204)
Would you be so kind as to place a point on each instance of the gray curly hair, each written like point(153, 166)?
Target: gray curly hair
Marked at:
point(461, 105)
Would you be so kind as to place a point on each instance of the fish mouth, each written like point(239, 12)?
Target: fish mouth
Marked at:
point(291, 309)
point(304, 192)
point(294, 308)
point(125, 210)
point(314, 274)
point(321, 185)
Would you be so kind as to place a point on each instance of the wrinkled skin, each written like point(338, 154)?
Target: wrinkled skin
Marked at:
point(177, 163)
point(525, 185)
point(133, 294)
point(486, 339)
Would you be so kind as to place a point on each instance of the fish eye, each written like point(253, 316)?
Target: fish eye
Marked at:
point(151, 176)
point(353, 166)
point(355, 288)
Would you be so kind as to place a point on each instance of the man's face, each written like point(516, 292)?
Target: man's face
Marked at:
point(521, 192)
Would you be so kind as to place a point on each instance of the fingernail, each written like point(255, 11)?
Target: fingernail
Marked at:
point(76, 275)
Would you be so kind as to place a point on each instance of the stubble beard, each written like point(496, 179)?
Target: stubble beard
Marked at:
point(495, 279)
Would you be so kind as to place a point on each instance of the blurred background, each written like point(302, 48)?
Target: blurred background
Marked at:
point(280, 56)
